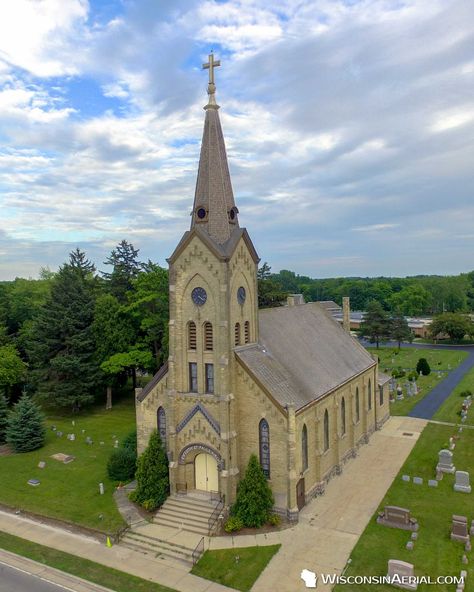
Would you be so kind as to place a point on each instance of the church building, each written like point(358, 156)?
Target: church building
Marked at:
point(288, 384)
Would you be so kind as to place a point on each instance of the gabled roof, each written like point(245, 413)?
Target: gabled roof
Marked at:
point(302, 354)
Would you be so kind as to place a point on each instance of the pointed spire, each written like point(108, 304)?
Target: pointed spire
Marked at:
point(214, 208)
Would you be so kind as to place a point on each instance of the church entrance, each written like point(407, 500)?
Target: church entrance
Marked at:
point(205, 473)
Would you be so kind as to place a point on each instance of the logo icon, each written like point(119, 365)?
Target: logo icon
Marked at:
point(309, 578)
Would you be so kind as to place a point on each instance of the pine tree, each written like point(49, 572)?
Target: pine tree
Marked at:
point(152, 475)
point(126, 267)
point(376, 323)
point(423, 367)
point(254, 496)
point(25, 429)
point(399, 330)
point(3, 418)
point(61, 344)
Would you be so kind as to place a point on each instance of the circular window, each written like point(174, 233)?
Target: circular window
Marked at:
point(201, 213)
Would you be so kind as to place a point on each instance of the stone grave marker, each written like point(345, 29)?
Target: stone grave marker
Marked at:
point(53, 428)
point(401, 574)
point(459, 529)
point(64, 458)
point(406, 478)
point(397, 517)
point(89, 440)
point(410, 545)
point(41, 464)
point(116, 444)
point(467, 546)
point(414, 536)
point(432, 483)
point(471, 531)
point(400, 396)
point(34, 482)
point(418, 480)
point(445, 462)
point(101, 489)
point(59, 434)
point(464, 560)
point(462, 482)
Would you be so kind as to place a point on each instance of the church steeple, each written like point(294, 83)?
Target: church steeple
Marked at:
point(214, 208)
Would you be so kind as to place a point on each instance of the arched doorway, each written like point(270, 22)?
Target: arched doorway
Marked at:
point(205, 472)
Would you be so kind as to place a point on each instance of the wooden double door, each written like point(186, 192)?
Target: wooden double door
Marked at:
point(205, 473)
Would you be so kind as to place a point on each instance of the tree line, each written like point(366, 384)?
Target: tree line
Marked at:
point(74, 335)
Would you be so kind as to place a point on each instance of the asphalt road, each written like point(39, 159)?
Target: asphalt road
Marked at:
point(14, 580)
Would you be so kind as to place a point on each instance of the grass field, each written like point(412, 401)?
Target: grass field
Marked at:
point(237, 568)
point(440, 361)
point(450, 410)
point(434, 553)
point(82, 568)
point(70, 491)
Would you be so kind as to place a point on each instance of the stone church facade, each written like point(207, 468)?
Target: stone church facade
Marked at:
point(288, 384)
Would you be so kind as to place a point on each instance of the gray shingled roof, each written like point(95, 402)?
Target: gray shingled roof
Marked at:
point(302, 354)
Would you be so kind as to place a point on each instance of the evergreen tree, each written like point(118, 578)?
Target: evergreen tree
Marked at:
point(3, 418)
point(423, 367)
point(399, 330)
point(376, 323)
point(125, 267)
point(61, 341)
point(254, 496)
point(270, 291)
point(25, 429)
point(152, 475)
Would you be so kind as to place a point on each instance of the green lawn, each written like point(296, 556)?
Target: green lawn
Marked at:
point(237, 568)
point(70, 491)
point(439, 360)
point(434, 553)
point(450, 410)
point(82, 568)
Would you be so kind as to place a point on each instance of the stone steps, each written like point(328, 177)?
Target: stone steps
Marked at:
point(185, 513)
point(157, 547)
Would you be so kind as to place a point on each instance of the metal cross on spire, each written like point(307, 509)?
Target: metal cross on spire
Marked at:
point(211, 87)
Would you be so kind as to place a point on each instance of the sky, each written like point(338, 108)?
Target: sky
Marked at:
point(349, 128)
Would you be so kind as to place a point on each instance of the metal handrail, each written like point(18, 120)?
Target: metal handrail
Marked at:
point(214, 517)
point(198, 551)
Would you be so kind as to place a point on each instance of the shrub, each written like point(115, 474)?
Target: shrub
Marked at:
point(130, 442)
point(3, 418)
point(465, 394)
point(423, 367)
point(25, 429)
point(233, 524)
point(122, 465)
point(152, 475)
point(254, 496)
point(274, 520)
point(398, 372)
point(412, 376)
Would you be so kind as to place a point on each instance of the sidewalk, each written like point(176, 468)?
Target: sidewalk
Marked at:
point(165, 572)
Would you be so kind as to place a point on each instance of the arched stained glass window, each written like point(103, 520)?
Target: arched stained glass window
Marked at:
point(304, 447)
point(357, 405)
point(326, 430)
point(264, 446)
point(343, 416)
point(369, 395)
point(162, 425)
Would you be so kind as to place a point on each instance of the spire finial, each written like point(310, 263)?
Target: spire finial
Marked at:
point(211, 87)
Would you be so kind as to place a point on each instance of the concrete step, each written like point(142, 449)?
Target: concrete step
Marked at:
point(157, 547)
point(179, 524)
point(184, 515)
point(180, 505)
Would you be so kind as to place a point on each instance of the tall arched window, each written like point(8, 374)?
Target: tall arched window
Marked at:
point(304, 447)
point(161, 416)
point(357, 405)
point(369, 395)
point(208, 337)
point(237, 333)
point(247, 332)
point(264, 446)
point(326, 430)
point(343, 416)
point(191, 335)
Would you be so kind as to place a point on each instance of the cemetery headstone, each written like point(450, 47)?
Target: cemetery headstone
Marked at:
point(403, 572)
point(101, 488)
point(400, 396)
point(406, 478)
point(471, 531)
point(467, 546)
point(59, 434)
point(41, 464)
point(462, 482)
point(34, 482)
point(417, 480)
point(464, 560)
point(432, 483)
point(414, 536)
point(445, 462)
point(397, 517)
point(53, 428)
point(459, 529)
point(410, 545)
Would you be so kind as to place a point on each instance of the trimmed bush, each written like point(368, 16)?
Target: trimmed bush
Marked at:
point(274, 520)
point(423, 367)
point(3, 418)
point(25, 429)
point(254, 496)
point(233, 524)
point(398, 372)
point(153, 484)
point(122, 465)
point(130, 442)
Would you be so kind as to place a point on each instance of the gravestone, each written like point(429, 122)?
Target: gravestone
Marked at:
point(410, 545)
point(414, 536)
point(89, 440)
point(101, 488)
point(432, 483)
point(471, 531)
point(64, 458)
point(467, 546)
point(414, 389)
point(439, 475)
point(53, 427)
point(406, 478)
point(400, 396)
point(462, 482)
point(417, 480)
point(397, 517)
point(445, 462)
point(464, 560)
point(34, 482)
point(71, 437)
point(59, 434)
point(116, 444)
point(41, 464)
point(401, 574)
point(459, 529)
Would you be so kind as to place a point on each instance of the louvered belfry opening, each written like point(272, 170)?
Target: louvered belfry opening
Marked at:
point(237, 333)
point(191, 335)
point(208, 337)
point(247, 332)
